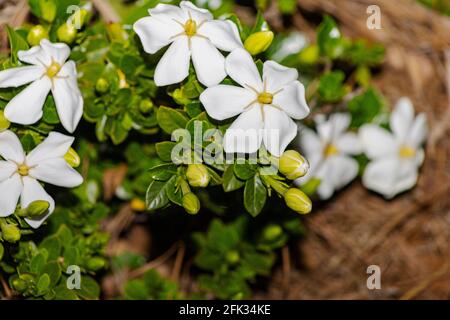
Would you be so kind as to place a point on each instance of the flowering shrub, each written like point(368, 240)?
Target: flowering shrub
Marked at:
point(208, 137)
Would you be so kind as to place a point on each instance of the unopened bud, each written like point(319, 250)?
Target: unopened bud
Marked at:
point(36, 34)
point(258, 42)
point(116, 32)
point(309, 55)
point(37, 208)
point(298, 201)
point(102, 85)
point(137, 205)
point(48, 10)
point(19, 285)
point(66, 33)
point(272, 232)
point(197, 175)
point(4, 123)
point(191, 203)
point(232, 256)
point(96, 263)
point(10, 232)
point(293, 165)
point(72, 158)
point(145, 106)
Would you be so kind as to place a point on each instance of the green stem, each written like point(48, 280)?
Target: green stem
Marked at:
point(279, 186)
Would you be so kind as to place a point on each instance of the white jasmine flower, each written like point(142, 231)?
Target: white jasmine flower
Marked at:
point(48, 71)
point(397, 156)
point(329, 153)
point(265, 106)
point(191, 31)
point(19, 173)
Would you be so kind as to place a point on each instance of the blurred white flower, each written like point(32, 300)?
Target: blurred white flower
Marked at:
point(191, 31)
point(397, 156)
point(265, 106)
point(329, 152)
point(48, 71)
point(19, 173)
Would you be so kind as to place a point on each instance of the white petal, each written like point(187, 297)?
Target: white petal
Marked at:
point(26, 107)
point(16, 77)
point(224, 101)
point(336, 125)
point(10, 190)
point(344, 170)
point(10, 147)
point(276, 76)
point(68, 99)
point(222, 33)
point(324, 174)
point(291, 99)
point(208, 62)
point(7, 169)
point(418, 132)
point(33, 191)
point(240, 67)
point(244, 134)
point(196, 13)
point(56, 171)
point(169, 12)
point(377, 142)
point(174, 65)
point(36, 55)
point(314, 161)
point(348, 143)
point(402, 118)
point(279, 130)
point(156, 33)
point(309, 142)
point(55, 145)
point(59, 52)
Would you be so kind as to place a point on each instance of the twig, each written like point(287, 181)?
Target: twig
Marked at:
point(286, 258)
point(6, 289)
point(410, 294)
point(178, 262)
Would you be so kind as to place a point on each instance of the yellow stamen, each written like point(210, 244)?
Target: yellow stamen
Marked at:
point(53, 69)
point(190, 28)
point(23, 170)
point(265, 98)
point(330, 150)
point(406, 152)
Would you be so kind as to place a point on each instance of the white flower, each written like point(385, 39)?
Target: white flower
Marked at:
point(265, 106)
point(48, 71)
point(397, 156)
point(191, 32)
point(19, 173)
point(329, 153)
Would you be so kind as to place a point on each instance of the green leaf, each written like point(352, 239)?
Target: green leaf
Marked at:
point(2, 251)
point(16, 43)
point(365, 107)
point(230, 181)
point(53, 247)
point(164, 150)
point(43, 283)
point(331, 86)
point(37, 263)
point(245, 170)
point(329, 38)
point(64, 293)
point(50, 115)
point(170, 119)
point(163, 172)
point(157, 193)
point(89, 289)
point(255, 195)
point(53, 270)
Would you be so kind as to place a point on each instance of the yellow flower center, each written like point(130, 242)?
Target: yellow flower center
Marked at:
point(190, 28)
point(265, 98)
point(53, 69)
point(406, 152)
point(330, 150)
point(23, 170)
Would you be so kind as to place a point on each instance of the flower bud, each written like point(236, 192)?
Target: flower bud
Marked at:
point(116, 32)
point(66, 33)
point(72, 158)
point(258, 42)
point(48, 10)
point(293, 165)
point(191, 203)
point(36, 34)
point(4, 123)
point(102, 85)
point(197, 175)
point(309, 55)
point(19, 284)
point(137, 205)
point(232, 256)
point(10, 232)
point(272, 232)
point(96, 263)
point(297, 201)
point(145, 106)
point(37, 208)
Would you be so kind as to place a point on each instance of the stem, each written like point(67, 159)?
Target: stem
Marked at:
point(184, 186)
point(279, 186)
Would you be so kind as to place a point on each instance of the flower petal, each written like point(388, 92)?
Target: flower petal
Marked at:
point(314, 161)
point(344, 170)
point(276, 76)
point(348, 143)
point(156, 33)
point(169, 12)
point(26, 107)
point(310, 142)
point(174, 65)
point(418, 132)
point(11, 148)
point(10, 190)
point(324, 174)
point(279, 130)
point(377, 142)
point(36, 55)
point(68, 99)
point(59, 52)
point(55, 145)
point(224, 101)
point(7, 169)
point(196, 13)
point(244, 134)
point(292, 100)
point(329, 130)
point(32, 191)
point(222, 33)
point(16, 77)
point(240, 67)
point(402, 118)
point(56, 171)
point(208, 62)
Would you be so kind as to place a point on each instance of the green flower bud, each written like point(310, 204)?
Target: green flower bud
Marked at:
point(145, 106)
point(309, 55)
point(96, 263)
point(102, 85)
point(2, 251)
point(48, 9)
point(191, 203)
point(4, 123)
point(66, 33)
point(293, 165)
point(10, 232)
point(72, 158)
point(37, 208)
point(36, 34)
point(116, 32)
point(272, 232)
point(298, 201)
point(232, 256)
point(19, 285)
point(258, 42)
point(197, 175)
